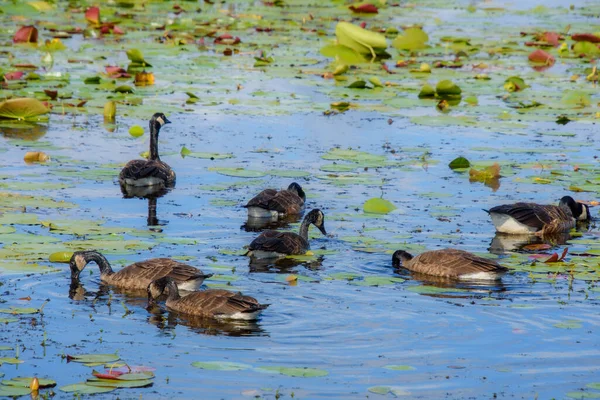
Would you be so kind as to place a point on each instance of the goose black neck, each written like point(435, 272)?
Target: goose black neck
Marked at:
point(304, 228)
point(154, 140)
point(173, 290)
point(103, 264)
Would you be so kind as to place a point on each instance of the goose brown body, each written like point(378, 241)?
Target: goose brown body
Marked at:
point(138, 276)
point(523, 218)
point(449, 263)
point(153, 171)
point(273, 203)
point(212, 303)
point(272, 244)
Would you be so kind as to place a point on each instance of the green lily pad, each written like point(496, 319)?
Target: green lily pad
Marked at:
point(400, 367)
point(459, 162)
point(363, 41)
point(22, 108)
point(185, 152)
point(83, 388)
point(14, 391)
point(295, 372)
point(19, 310)
point(238, 172)
point(26, 381)
point(378, 205)
point(583, 395)
point(377, 281)
point(10, 360)
point(571, 324)
point(221, 365)
point(93, 358)
point(434, 290)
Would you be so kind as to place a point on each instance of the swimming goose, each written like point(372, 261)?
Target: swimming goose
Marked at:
point(150, 172)
point(274, 244)
point(449, 263)
point(271, 203)
point(214, 303)
point(528, 218)
point(138, 276)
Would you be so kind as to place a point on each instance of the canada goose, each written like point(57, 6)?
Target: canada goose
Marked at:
point(274, 244)
point(528, 218)
point(215, 303)
point(271, 203)
point(152, 171)
point(138, 276)
point(449, 263)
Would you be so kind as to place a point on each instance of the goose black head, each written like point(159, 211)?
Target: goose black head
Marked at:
point(158, 120)
point(78, 261)
point(580, 212)
point(156, 289)
point(296, 188)
point(317, 218)
point(399, 257)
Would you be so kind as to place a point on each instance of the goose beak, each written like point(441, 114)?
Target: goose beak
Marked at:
point(322, 229)
point(166, 120)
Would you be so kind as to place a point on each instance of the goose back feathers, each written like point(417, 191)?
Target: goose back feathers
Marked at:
point(527, 218)
point(271, 203)
point(212, 303)
point(138, 276)
point(449, 263)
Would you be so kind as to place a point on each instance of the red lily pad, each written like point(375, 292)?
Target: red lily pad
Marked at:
point(13, 76)
point(92, 15)
point(541, 56)
point(51, 93)
point(365, 8)
point(109, 374)
point(117, 72)
point(227, 39)
point(555, 258)
point(585, 37)
point(26, 34)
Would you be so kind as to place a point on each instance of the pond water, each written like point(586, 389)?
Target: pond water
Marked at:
point(352, 324)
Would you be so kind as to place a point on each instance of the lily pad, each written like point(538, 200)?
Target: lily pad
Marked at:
point(14, 391)
point(185, 152)
point(400, 367)
point(93, 358)
point(22, 108)
point(378, 205)
point(295, 372)
point(238, 172)
point(83, 388)
point(221, 365)
point(26, 382)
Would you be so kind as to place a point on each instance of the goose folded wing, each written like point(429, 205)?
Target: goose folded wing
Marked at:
point(140, 169)
point(279, 242)
point(262, 199)
point(528, 214)
point(453, 263)
point(286, 202)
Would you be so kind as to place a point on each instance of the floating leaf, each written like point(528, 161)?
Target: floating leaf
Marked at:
point(459, 162)
point(221, 365)
point(136, 131)
point(541, 57)
point(92, 15)
point(22, 108)
point(36, 156)
point(61, 256)
point(10, 360)
point(344, 54)
point(27, 381)
point(361, 40)
point(364, 8)
point(570, 324)
point(382, 390)
point(377, 281)
point(26, 34)
point(14, 391)
point(586, 49)
point(447, 88)
point(237, 172)
point(83, 388)
point(427, 91)
point(399, 367)
point(485, 174)
point(144, 79)
point(110, 109)
point(378, 205)
point(117, 383)
point(185, 152)
point(359, 84)
point(515, 84)
point(295, 372)
point(19, 310)
point(93, 358)
point(412, 39)
point(137, 57)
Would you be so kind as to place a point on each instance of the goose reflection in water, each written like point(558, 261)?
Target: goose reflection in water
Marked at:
point(503, 243)
point(259, 224)
point(283, 265)
point(168, 320)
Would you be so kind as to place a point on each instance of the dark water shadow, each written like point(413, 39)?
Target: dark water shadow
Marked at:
point(503, 243)
point(283, 265)
point(168, 320)
point(259, 224)
point(23, 130)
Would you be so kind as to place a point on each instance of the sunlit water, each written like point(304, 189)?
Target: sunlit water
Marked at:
point(492, 340)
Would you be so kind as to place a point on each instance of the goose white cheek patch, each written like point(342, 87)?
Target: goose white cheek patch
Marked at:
point(160, 121)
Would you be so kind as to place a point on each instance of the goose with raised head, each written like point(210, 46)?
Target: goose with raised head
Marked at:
point(153, 171)
point(275, 244)
point(212, 303)
point(271, 203)
point(138, 276)
point(449, 263)
point(532, 218)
